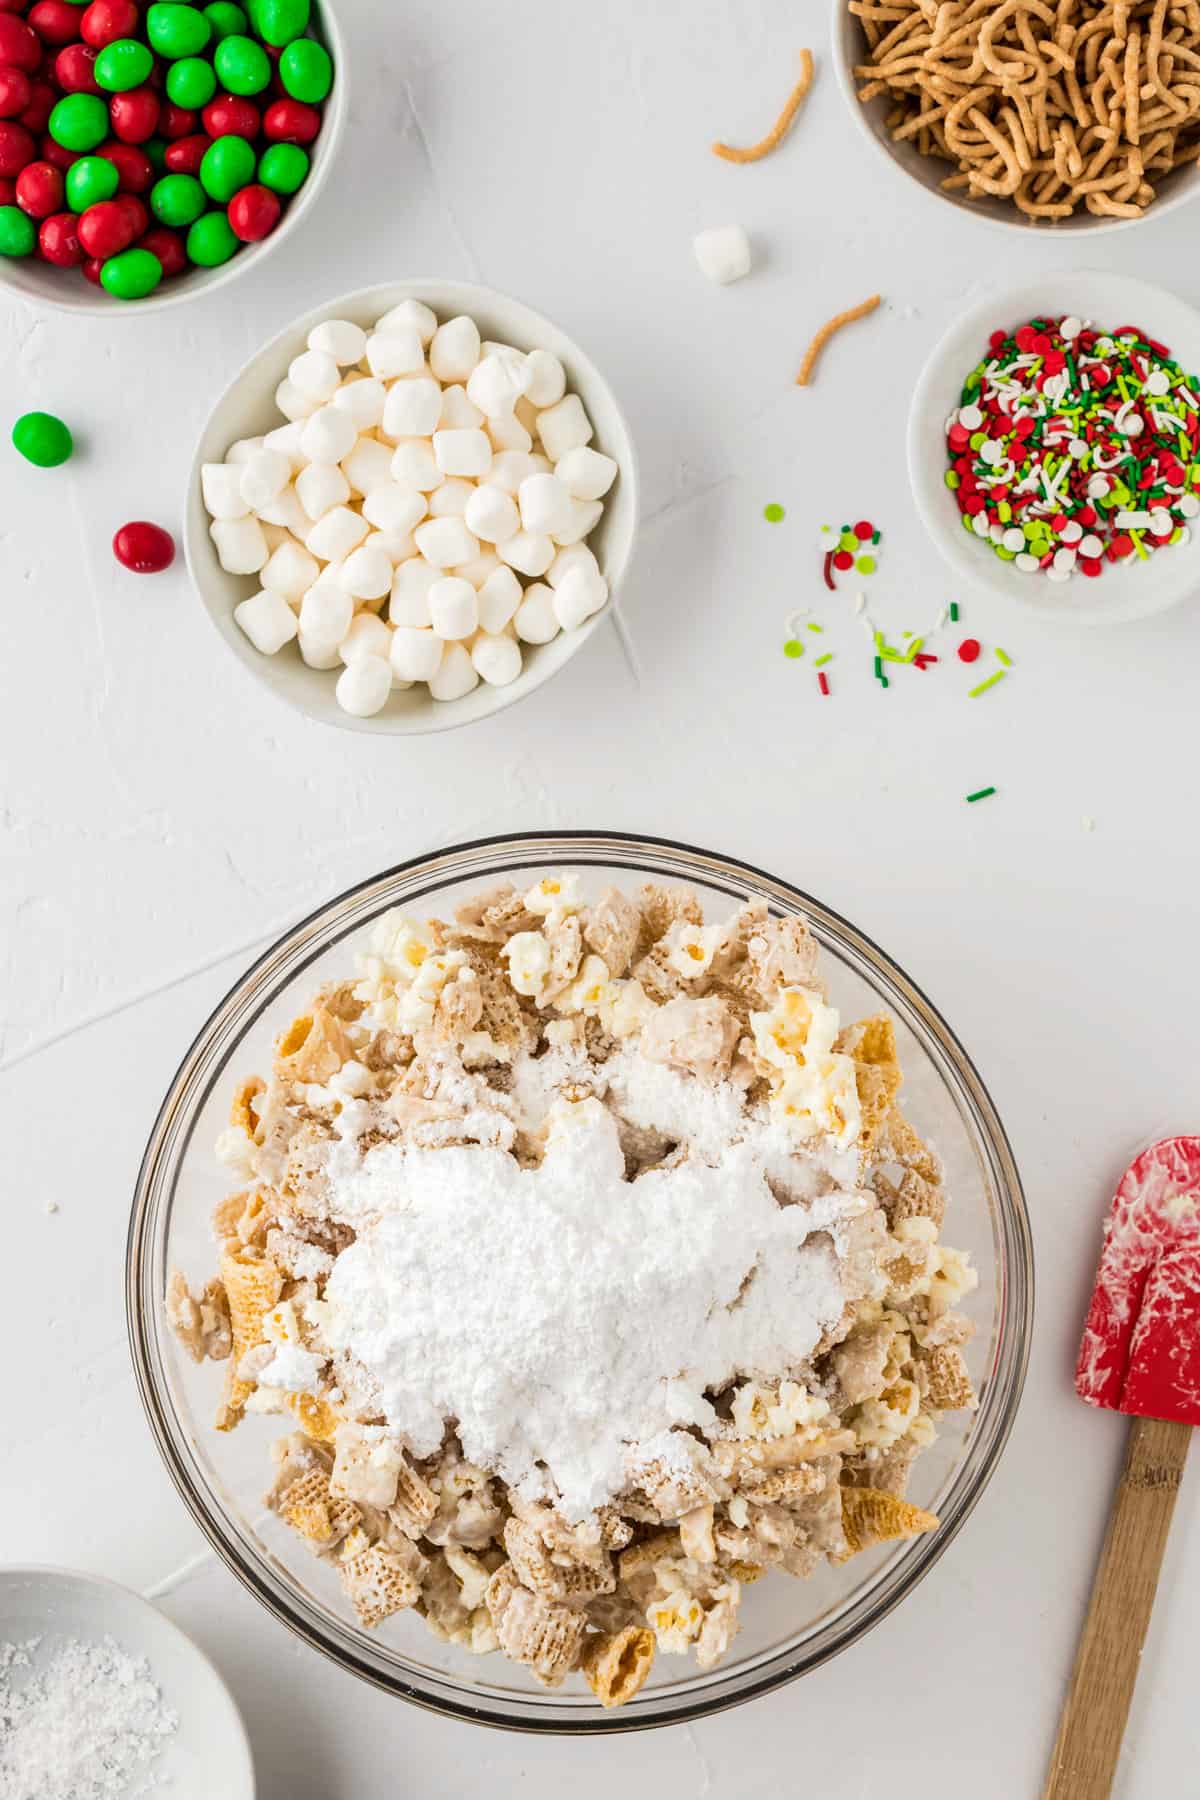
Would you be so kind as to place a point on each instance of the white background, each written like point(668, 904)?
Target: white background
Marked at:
point(162, 817)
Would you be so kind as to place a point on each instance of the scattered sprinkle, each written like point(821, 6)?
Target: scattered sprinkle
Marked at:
point(1002, 656)
point(985, 685)
point(968, 650)
point(1089, 824)
point(828, 571)
point(823, 682)
point(773, 513)
point(980, 794)
point(822, 660)
point(954, 612)
point(793, 648)
point(813, 627)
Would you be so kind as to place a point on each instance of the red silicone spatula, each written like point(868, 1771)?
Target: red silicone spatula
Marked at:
point(1141, 1355)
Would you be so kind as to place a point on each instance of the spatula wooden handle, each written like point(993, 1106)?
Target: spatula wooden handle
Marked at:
point(1106, 1663)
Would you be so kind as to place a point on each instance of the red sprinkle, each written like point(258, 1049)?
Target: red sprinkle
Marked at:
point(827, 571)
point(864, 531)
point(968, 650)
point(843, 560)
point(824, 684)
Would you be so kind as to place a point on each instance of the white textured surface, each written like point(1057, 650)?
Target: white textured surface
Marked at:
point(165, 817)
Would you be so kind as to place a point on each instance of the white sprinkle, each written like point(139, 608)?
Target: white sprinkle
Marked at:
point(1158, 382)
point(1014, 538)
point(1070, 328)
point(1071, 532)
point(970, 418)
point(1189, 506)
point(1026, 562)
point(1132, 521)
point(1090, 545)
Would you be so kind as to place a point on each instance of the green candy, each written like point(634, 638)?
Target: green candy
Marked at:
point(177, 199)
point(306, 70)
point(191, 83)
point(226, 19)
point(156, 150)
point(131, 275)
point(176, 31)
point(18, 233)
point(89, 180)
point(277, 22)
point(79, 122)
point(227, 165)
point(42, 439)
point(211, 241)
point(284, 168)
point(122, 65)
point(242, 65)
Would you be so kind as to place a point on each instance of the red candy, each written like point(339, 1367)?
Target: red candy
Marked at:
point(16, 146)
point(291, 122)
point(16, 91)
point(55, 21)
point(968, 650)
point(91, 268)
point(61, 157)
point(133, 166)
point(74, 70)
point(42, 99)
point(254, 213)
point(185, 155)
point(176, 121)
point(134, 115)
point(58, 241)
point(8, 191)
point(169, 248)
point(40, 190)
point(146, 549)
point(104, 21)
point(230, 116)
point(19, 45)
point(105, 229)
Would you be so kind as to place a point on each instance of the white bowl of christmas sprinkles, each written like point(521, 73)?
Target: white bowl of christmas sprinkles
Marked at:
point(1054, 447)
point(412, 507)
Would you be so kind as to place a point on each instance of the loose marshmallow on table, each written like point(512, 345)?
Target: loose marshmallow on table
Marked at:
point(723, 253)
point(399, 520)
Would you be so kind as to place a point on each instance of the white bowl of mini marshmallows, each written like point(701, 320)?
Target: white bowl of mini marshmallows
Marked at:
point(411, 508)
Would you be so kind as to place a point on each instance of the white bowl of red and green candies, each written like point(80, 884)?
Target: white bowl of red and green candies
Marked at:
point(148, 151)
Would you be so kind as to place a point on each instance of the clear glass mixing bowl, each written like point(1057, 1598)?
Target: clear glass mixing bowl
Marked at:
point(788, 1626)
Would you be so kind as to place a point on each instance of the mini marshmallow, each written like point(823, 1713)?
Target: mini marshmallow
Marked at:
point(445, 542)
point(498, 382)
point(586, 474)
point(368, 466)
point(221, 487)
point(363, 687)
point(392, 508)
point(292, 403)
point(546, 381)
point(534, 618)
point(578, 556)
point(413, 466)
point(413, 408)
point(290, 570)
point(267, 620)
point(367, 572)
point(285, 509)
point(397, 546)
point(578, 595)
point(545, 505)
point(335, 535)
point(315, 374)
point(275, 535)
point(326, 614)
point(564, 427)
point(345, 342)
point(462, 452)
point(498, 599)
point(329, 435)
point(363, 400)
point(491, 514)
point(508, 433)
point(479, 568)
point(458, 412)
point(286, 439)
point(410, 315)
point(317, 654)
point(367, 636)
point(264, 476)
point(510, 468)
point(455, 674)
point(527, 413)
point(584, 516)
point(415, 655)
point(496, 659)
point(454, 350)
point(240, 545)
point(321, 486)
point(395, 352)
point(723, 253)
point(410, 593)
point(453, 610)
point(529, 552)
point(450, 500)
point(244, 449)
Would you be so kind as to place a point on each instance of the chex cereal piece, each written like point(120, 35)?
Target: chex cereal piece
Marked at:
point(554, 1580)
point(415, 1503)
point(615, 1664)
point(871, 1517)
point(252, 1287)
point(309, 1508)
point(313, 1047)
point(542, 1635)
point(378, 1584)
point(943, 1379)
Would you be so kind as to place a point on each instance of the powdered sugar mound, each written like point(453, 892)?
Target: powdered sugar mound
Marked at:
point(562, 1314)
point(86, 1726)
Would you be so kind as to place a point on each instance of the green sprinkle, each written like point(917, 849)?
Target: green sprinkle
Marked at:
point(1138, 545)
point(875, 536)
point(914, 649)
point(952, 478)
point(878, 669)
point(816, 628)
point(865, 565)
point(985, 685)
point(954, 611)
point(822, 660)
point(793, 648)
point(1002, 656)
point(980, 794)
point(773, 513)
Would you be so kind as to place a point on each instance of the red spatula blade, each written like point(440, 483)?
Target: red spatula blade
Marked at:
point(1141, 1344)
